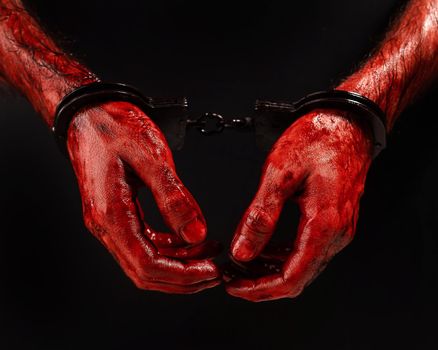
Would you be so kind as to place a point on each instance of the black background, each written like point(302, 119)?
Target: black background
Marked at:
point(59, 289)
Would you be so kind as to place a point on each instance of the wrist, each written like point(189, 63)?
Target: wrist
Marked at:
point(363, 84)
point(51, 92)
point(375, 85)
point(404, 64)
point(45, 89)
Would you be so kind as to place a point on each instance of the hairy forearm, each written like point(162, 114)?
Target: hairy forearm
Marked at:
point(31, 61)
point(405, 62)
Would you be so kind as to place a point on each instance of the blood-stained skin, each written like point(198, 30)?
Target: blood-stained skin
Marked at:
point(321, 162)
point(31, 62)
point(114, 149)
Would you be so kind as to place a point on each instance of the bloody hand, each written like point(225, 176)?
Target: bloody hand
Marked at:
point(115, 148)
point(320, 162)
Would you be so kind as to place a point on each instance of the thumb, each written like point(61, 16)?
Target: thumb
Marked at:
point(178, 207)
point(258, 223)
point(278, 182)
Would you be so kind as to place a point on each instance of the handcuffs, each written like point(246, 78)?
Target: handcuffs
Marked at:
point(268, 120)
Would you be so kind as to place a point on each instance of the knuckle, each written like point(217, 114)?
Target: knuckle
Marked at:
point(164, 270)
point(179, 208)
point(259, 221)
point(175, 205)
point(157, 150)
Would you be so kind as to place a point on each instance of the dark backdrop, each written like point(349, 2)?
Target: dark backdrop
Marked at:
point(59, 289)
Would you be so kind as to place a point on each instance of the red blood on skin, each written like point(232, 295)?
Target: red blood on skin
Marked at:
point(111, 147)
point(323, 158)
point(114, 148)
point(324, 155)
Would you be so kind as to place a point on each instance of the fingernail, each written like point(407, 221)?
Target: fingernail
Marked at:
point(194, 231)
point(243, 250)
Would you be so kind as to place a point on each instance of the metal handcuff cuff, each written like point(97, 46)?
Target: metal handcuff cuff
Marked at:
point(268, 120)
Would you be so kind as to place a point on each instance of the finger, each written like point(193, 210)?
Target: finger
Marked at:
point(286, 283)
point(270, 261)
point(204, 250)
point(173, 246)
point(255, 268)
point(182, 289)
point(172, 271)
point(260, 289)
point(112, 215)
point(262, 285)
point(260, 219)
point(257, 225)
point(170, 247)
point(149, 156)
point(312, 250)
point(164, 240)
point(320, 235)
point(322, 232)
point(177, 206)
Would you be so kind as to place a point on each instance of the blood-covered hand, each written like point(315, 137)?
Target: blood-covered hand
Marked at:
point(115, 148)
point(320, 162)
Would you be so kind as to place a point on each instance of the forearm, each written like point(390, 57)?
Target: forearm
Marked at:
point(405, 62)
point(31, 62)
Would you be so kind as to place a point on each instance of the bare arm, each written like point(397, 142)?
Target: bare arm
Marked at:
point(405, 62)
point(31, 62)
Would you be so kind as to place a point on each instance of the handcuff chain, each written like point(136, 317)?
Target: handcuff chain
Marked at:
point(214, 123)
